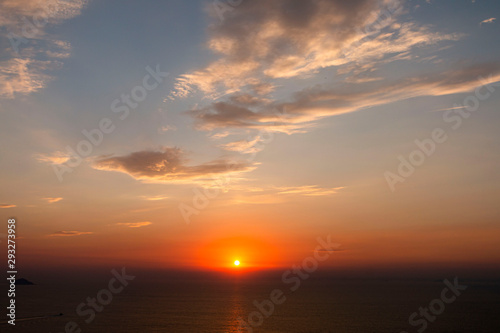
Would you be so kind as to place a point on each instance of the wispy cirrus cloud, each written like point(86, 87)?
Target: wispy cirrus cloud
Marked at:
point(32, 53)
point(155, 197)
point(279, 194)
point(244, 146)
point(135, 224)
point(313, 104)
point(53, 200)
point(56, 158)
point(23, 76)
point(4, 206)
point(490, 20)
point(266, 40)
point(13, 12)
point(308, 190)
point(70, 233)
point(261, 44)
point(168, 165)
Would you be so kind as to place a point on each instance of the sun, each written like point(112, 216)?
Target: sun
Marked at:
point(236, 263)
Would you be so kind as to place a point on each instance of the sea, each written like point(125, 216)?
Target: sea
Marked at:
point(257, 305)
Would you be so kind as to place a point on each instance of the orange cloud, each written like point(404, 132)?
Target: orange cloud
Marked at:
point(53, 200)
point(135, 224)
point(244, 146)
point(7, 206)
point(56, 11)
point(57, 157)
point(490, 20)
point(70, 233)
point(310, 190)
point(22, 76)
point(155, 198)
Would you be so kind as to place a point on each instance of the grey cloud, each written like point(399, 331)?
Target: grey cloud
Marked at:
point(312, 104)
point(168, 165)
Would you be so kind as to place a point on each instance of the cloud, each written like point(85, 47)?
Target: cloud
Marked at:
point(452, 108)
point(313, 104)
point(52, 200)
point(266, 40)
point(227, 114)
point(168, 165)
point(135, 224)
point(70, 233)
point(14, 13)
point(167, 128)
point(32, 52)
point(60, 49)
point(309, 190)
point(7, 206)
point(220, 135)
point(275, 195)
point(244, 146)
point(55, 158)
point(155, 198)
point(490, 20)
point(22, 76)
point(261, 43)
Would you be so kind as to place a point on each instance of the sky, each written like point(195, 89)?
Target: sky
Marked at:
point(188, 134)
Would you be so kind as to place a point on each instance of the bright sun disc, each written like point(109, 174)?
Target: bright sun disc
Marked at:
point(236, 262)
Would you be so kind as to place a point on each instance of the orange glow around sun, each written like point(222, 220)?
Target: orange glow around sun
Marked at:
point(254, 253)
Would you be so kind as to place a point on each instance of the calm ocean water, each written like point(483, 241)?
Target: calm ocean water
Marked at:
point(341, 306)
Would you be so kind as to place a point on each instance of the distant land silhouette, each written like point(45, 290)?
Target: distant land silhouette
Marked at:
point(23, 282)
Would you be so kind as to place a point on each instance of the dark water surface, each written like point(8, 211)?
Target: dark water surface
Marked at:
point(341, 306)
